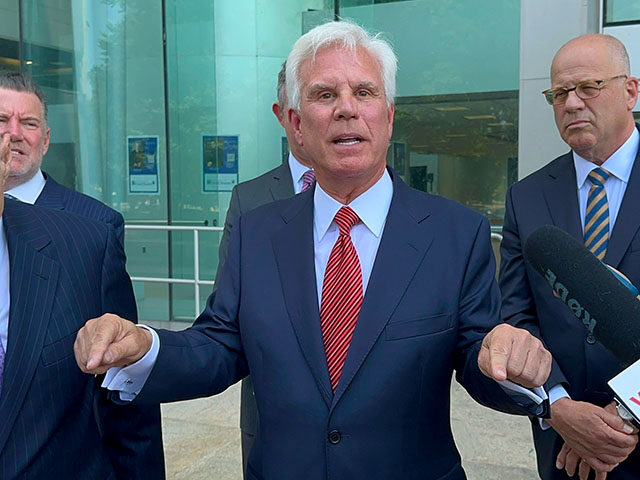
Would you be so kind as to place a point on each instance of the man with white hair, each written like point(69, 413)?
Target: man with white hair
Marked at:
point(350, 304)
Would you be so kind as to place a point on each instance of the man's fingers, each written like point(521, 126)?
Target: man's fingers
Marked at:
point(100, 339)
point(613, 419)
point(513, 353)
point(571, 462)
point(583, 470)
point(561, 459)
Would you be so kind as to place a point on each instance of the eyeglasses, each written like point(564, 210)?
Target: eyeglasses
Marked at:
point(584, 90)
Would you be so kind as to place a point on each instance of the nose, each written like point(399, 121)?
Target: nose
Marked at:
point(13, 128)
point(346, 107)
point(574, 102)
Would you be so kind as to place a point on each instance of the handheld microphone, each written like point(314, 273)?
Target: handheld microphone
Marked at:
point(606, 307)
point(602, 298)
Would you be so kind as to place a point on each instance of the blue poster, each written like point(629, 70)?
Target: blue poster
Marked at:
point(219, 163)
point(143, 164)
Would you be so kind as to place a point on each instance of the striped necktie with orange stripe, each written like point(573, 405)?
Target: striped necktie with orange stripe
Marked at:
point(596, 218)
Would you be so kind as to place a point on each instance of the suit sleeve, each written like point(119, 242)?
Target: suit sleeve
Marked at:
point(478, 312)
point(131, 433)
point(232, 217)
point(518, 304)
point(208, 357)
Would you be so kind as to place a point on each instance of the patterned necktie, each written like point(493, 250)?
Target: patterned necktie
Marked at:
point(596, 217)
point(307, 180)
point(341, 296)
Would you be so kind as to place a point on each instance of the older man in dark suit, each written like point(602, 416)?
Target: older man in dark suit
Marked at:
point(350, 304)
point(23, 117)
point(593, 193)
point(55, 269)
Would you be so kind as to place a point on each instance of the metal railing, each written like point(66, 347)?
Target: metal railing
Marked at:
point(196, 281)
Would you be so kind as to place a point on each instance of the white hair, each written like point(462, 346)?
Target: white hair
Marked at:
point(345, 35)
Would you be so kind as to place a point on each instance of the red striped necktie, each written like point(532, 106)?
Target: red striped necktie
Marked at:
point(341, 296)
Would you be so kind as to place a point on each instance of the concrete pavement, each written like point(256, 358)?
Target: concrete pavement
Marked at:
point(202, 439)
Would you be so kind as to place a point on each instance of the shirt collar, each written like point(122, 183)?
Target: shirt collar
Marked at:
point(619, 164)
point(297, 170)
point(30, 190)
point(371, 206)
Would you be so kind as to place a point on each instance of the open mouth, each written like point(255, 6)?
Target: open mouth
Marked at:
point(347, 141)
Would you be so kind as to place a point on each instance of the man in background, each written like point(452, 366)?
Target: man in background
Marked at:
point(593, 193)
point(284, 181)
point(23, 117)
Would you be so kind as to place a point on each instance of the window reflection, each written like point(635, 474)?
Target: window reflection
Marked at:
point(463, 147)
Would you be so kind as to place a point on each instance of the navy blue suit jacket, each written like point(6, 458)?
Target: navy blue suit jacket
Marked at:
point(59, 197)
point(138, 454)
point(549, 197)
point(64, 269)
point(430, 300)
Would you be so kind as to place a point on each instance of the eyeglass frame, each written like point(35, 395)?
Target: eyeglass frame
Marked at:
point(600, 84)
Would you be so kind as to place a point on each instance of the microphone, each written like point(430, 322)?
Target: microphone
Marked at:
point(602, 298)
point(594, 294)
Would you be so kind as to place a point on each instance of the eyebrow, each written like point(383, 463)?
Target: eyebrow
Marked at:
point(318, 87)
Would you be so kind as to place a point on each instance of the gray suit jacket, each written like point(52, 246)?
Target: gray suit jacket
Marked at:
point(276, 184)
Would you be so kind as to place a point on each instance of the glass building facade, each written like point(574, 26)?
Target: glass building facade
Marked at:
point(157, 108)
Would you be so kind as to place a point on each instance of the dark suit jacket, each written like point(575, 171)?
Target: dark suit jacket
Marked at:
point(276, 184)
point(549, 197)
point(430, 300)
point(138, 453)
point(64, 269)
point(59, 197)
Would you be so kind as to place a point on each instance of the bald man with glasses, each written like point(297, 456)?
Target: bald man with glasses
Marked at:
point(593, 193)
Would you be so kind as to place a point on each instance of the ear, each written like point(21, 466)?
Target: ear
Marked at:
point(631, 92)
point(390, 113)
point(296, 123)
point(275, 108)
point(45, 148)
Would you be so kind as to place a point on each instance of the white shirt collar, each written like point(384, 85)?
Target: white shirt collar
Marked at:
point(297, 171)
point(619, 164)
point(371, 206)
point(30, 190)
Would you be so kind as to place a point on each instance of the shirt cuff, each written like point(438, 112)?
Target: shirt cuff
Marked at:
point(556, 393)
point(129, 380)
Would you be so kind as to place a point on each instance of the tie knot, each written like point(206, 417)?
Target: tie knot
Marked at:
point(346, 219)
point(598, 176)
point(307, 180)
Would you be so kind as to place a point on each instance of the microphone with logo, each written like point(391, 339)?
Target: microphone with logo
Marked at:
point(600, 297)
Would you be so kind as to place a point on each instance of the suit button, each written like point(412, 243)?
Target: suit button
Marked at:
point(591, 339)
point(334, 437)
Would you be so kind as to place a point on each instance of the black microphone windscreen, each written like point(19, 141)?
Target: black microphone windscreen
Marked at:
point(592, 293)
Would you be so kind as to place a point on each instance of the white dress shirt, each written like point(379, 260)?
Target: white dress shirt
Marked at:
point(4, 287)
point(30, 190)
point(372, 207)
point(619, 165)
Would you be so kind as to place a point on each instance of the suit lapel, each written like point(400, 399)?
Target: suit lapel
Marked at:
point(293, 249)
point(33, 282)
point(628, 220)
point(281, 184)
point(561, 195)
point(52, 196)
point(406, 238)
